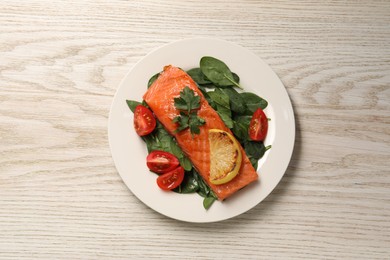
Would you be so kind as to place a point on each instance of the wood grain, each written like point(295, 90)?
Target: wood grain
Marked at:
point(61, 196)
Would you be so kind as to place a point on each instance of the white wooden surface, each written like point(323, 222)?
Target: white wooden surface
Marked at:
point(61, 196)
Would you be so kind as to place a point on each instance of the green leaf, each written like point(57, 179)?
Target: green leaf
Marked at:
point(240, 127)
point(206, 95)
point(152, 142)
point(217, 72)
point(187, 101)
point(133, 104)
point(160, 139)
point(208, 201)
point(237, 102)
point(197, 75)
point(220, 97)
point(152, 79)
point(181, 104)
point(195, 122)
point(255, 151)
point(222, 106)
point(236, 77)
point(185, 163)
point(253, 102)
point(240, 131)
point(254, 162)
point(243, 119)
point(226, 115)
point(189, 184)
point(204, 189)
point(182, 121)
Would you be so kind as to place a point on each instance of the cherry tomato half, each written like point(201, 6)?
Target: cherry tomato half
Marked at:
point(258, 127)
point(161, 162)
point(172, 179)
point(144, 121)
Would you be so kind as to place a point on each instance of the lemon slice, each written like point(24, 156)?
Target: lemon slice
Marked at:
point(225, 156)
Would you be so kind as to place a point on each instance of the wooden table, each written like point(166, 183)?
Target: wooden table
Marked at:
point(61, 63)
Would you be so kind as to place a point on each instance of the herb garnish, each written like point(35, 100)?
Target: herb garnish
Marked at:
point(188, 104)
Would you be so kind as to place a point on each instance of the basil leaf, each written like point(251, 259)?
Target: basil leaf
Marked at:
point(133, 104)
point(253, 102)
point(217, 72)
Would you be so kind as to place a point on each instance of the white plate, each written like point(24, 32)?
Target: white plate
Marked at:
point(129, 151)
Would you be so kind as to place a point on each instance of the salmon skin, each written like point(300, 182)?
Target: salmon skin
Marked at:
point(160, 98)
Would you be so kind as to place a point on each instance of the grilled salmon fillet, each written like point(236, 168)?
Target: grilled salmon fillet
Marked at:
point(160, 98)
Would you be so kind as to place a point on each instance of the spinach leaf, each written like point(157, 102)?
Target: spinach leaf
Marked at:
point(152, 142)
point(197, 75)
point(226, 115)
point(160, 139)
point(236, 77)
point(153, 78)
point(253, 102)
point(222, 106)
point(133, 104)
point(204, 189)
point(255, 151)
point(243, 119)
point(185, 163)
point(220, 98)
point(237, 102)
point(207, 96)
point(189, 184)
point(194, 183)
point(217, 72)
point(240, 131)
point(208, 201)
point(240, 127)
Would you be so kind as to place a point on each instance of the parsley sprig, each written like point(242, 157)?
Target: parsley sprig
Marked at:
point(188, 104)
